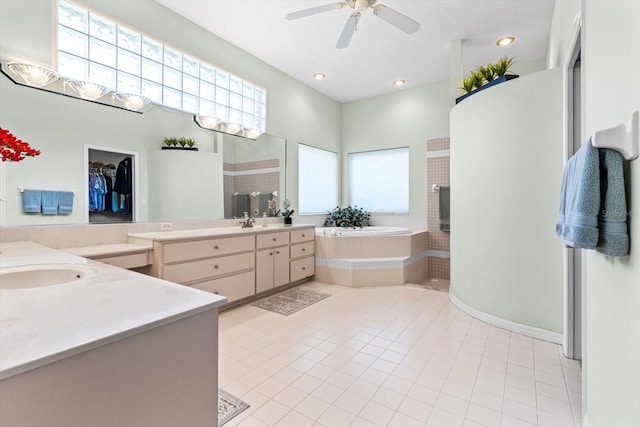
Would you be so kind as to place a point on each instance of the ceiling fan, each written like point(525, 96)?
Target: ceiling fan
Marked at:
point(385, 13)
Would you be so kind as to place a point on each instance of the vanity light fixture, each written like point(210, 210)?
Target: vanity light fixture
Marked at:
point(88, 90)
point(208, 122)
point(33, 75)
point(319, 76)
point(505, 41)
point(231, 128)
point(252, 133)
point(131, 101)
point(399, 82)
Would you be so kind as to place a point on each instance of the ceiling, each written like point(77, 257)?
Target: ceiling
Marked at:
point(379, 53)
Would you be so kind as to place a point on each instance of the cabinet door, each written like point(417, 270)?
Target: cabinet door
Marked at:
point(281, 266)
point(264, 270)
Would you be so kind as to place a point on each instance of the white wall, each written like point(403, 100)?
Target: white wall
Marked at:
point(612, 61)
point(294, 111)
point(565, 19)
point(404, 119)
point(505, 183)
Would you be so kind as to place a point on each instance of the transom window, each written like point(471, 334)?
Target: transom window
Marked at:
point(96, 49)
point(379, 180)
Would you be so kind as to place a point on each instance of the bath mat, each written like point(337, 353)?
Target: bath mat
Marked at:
point(291, 301)
point(229, 406)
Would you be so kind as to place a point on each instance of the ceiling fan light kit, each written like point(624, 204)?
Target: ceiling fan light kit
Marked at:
point(387, 14)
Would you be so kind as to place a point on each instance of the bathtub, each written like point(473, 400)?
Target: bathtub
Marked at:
point(365, 231)
point(371, 256)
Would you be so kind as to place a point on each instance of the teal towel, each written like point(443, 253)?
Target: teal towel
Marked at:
point(65, 202)
point(614, 236)
point(31, 201)
point(50, 202)
point(577, 224)
point(443, 208)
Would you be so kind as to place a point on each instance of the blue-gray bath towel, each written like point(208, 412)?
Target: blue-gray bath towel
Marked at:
point(614, 236)
point(577, 224)
point(65, 202)
point(31, 201)
point(50, 202)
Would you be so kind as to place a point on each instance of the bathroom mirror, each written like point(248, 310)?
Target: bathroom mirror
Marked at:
point(61, 127)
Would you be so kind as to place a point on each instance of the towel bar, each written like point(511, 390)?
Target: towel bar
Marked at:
point(21, 189)
point(624, 138)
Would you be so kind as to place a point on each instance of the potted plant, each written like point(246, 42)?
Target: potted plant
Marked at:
point(286, 212)
point(349, 217)
point(487, 76)
point(181, 143)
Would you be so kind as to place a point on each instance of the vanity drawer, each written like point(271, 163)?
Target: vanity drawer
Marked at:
point(302, 268)
point(197, 270)
point(181, 251)
point(233, 287)
point(302, 249)
point(305, 235)
point(269, 240)
point(125, 261)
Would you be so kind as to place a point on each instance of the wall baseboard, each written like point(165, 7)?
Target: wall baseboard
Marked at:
point(530, 331)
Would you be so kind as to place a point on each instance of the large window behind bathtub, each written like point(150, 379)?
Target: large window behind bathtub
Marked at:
point(379, 180)
point(96, 49)
point(317, 179)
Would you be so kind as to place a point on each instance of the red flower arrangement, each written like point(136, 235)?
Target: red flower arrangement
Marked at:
point(14, 149)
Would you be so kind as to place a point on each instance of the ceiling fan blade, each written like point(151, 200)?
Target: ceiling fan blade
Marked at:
point(396, 19)
point(315, 10)
point(348, 30)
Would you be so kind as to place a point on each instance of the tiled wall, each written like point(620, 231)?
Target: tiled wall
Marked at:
point(438, 241)
point(262, 176)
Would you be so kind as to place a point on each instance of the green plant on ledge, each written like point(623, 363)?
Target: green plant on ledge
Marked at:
point(483, 75)
point(173, 141)
point(349, 217)
point(170, 141)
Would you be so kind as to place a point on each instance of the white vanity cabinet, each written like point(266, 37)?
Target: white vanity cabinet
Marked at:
point(233, 262)
point(272, 260)
point(302, 254)
point(221, 265)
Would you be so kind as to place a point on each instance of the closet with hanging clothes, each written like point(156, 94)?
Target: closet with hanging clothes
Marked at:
point(110, 187)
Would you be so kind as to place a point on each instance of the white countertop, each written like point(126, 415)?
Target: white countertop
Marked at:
point(42, 325)
point(213, 232)
point(109, 249)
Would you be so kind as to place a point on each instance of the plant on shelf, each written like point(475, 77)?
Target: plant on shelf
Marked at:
point(482, 76)
point(349, 217)
point(179, 142)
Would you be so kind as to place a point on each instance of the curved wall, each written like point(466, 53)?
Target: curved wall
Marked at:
point(506, 171)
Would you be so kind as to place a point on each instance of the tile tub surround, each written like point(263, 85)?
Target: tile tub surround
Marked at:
point(357, 261)
point(438, 171)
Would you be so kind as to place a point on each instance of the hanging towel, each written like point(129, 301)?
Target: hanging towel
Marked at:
point(242, 204)
point(65, 202)
point(50, 202)
point(444, 207)
point(31, 201)
point(614, 237)
point(263, 203)
point(577, 224)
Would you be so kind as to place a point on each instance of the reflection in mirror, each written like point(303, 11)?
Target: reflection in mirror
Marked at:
point(254, 175)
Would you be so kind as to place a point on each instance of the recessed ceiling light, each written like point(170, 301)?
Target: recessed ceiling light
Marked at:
point(319, 76)
point(399, 82)
point(505, 41)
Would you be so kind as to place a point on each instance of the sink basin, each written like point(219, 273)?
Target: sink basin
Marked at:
point(37, 276)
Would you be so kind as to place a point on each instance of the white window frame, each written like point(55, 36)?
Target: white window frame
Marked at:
point(373, 191)
point(305, 194)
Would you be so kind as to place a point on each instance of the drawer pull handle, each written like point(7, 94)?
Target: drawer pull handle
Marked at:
point(277, 252)
point(216, 247)
point(304, 249)
point(270, 253)
point(304, 268)
point(304, 235)
point(216, 292)
point(215, 266)
point(274, 239)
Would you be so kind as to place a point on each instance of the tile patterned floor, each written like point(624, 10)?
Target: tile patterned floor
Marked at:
point(391, 356)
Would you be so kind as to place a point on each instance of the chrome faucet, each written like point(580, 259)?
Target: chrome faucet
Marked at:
point(248, 222)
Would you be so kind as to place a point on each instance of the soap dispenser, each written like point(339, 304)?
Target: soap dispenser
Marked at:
point(264, 219)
